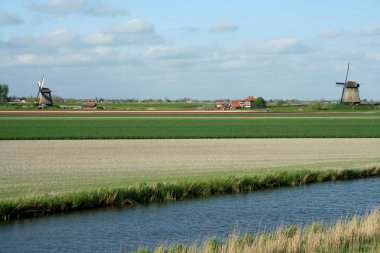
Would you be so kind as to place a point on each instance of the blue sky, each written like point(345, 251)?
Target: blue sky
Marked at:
point(198, 49)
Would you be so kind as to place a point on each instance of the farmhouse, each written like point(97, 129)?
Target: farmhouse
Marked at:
point(222, 105)
point(244, 103)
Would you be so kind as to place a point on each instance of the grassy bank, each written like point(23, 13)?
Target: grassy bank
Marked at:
point(17, 128)
point(360, 234)
point(25, 207)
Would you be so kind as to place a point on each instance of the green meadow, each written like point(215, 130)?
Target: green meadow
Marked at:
point(189, 127)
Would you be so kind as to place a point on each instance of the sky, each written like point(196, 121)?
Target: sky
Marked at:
point(199, 49)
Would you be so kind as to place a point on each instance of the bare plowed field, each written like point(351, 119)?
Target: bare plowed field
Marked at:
point(38, 167)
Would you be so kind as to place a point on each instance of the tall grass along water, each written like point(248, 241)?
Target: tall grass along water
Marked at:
point(17, 208)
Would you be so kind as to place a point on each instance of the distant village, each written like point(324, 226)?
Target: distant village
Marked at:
point(222, 104)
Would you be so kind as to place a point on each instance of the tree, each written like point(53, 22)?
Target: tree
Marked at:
point(279, 102)
point(260, 103)
point(3, 93)
point(58, 99)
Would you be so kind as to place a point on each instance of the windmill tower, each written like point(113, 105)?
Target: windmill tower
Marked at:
point(44, 93)
point(350, 92)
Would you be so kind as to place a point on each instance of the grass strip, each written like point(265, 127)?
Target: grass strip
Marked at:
point(360, 234)
point(159, 192)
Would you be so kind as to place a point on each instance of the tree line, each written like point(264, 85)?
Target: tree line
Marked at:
point(3, 93)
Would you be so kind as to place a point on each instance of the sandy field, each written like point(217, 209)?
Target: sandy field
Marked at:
point(37, 167)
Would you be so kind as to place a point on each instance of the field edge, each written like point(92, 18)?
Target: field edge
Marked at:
point(160, 192)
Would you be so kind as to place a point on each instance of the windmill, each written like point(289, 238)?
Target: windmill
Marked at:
point(44, 93)
point(350, 92)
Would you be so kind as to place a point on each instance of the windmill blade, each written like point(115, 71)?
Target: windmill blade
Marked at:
point(42, 81)
point(38, 93)
point(341, 98)
point(348, 68)
point(39, 88)
point(339, 84)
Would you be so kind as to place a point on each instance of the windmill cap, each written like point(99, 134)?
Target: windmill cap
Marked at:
point(352, 84)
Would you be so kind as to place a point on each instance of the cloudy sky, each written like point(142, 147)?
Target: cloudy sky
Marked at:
point(202, 49)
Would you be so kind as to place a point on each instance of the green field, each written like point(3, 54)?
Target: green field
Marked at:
point(176, 127)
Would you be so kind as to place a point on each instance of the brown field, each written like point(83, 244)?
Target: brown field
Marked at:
point(30, 168)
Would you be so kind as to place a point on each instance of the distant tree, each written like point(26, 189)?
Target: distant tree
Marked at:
point(58, 99)
point(279, 102)
point(316, 106)
point(3, 93)
point(31, 99)
point(260, 103)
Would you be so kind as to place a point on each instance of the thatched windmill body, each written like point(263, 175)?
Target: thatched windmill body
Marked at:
point(44, 93)
point(350, 92)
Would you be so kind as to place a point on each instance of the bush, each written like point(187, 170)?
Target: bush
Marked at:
point(260, 103)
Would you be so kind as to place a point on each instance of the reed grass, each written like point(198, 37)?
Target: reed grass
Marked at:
point(360, 234)
point(159, 192)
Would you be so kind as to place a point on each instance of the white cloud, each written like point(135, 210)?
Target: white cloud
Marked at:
point(132, 26)
point(65, 7)
point(46, 43)
point(60, 7)
point(98, 38)
point(46, 60)
point(106, 10)
point(136, 31)
point(233, 65)
point(9, 19)
point(60, 37)
point(224, 27)
point(167, 52)
point(347, 55)
point(374, 57)
point(331, 33)
point(369, 30)
point(281, 46)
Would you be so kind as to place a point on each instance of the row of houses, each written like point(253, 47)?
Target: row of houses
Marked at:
point(237, 104)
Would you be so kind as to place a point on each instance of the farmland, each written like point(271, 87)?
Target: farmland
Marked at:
point(54, 163)
point(32, 168)
point(191, 126)
point(60, 160)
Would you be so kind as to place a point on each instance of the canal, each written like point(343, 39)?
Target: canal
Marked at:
point(128, 228)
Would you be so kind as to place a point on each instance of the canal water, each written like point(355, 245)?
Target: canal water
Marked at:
point(128, 228)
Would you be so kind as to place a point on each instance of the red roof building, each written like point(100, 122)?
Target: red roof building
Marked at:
point(245, 103)
point(235, 104)
point(250, 99)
